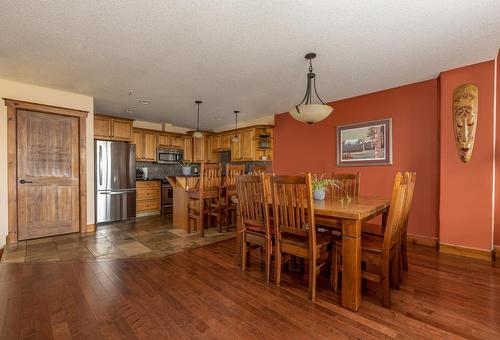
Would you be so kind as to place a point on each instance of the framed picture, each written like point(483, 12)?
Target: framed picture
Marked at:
point(364, 144)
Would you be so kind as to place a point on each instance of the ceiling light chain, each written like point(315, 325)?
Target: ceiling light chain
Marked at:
point(236, 139)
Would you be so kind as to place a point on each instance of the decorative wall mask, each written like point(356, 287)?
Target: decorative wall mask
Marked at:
point(465, 103)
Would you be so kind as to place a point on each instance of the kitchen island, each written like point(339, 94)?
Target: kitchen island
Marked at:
point(180, 185)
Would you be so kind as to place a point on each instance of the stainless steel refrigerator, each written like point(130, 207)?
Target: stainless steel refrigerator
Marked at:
point(114, 181)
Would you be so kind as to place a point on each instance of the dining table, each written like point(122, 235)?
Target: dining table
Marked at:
point(347, 217)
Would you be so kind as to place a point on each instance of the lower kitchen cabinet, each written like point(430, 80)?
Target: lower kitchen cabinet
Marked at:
point(148, 197)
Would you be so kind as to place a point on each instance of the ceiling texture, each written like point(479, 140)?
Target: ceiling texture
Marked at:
point(246, 55)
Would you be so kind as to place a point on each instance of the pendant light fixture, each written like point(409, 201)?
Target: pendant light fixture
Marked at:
point(306, 111)
point(235, 138)
point(197, 133)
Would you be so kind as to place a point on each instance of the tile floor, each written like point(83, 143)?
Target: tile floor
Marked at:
point(152, 236)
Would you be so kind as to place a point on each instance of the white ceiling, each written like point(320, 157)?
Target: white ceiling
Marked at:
point(245, 55)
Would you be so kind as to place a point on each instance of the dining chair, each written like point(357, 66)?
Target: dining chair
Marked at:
point(227, 207)
point(253, 206)
point(295, 227)
point(257, 169)
point(375, 229)
point(202, 199)
point(350, 185)
point(381, 252)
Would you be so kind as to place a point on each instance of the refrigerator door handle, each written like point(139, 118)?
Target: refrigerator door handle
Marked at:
point(100, 164)
point(112, 193)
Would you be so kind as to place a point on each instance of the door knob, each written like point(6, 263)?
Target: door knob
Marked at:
point(24, 181)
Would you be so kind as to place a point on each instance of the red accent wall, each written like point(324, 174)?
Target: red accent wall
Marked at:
point(466, 211)
point(497, 163)
point(413, 108)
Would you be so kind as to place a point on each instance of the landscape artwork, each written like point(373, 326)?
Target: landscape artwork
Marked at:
point(362, 144)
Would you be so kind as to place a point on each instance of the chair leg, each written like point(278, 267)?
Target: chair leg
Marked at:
point(334, 275)
point(404, 254)
point(243, 252)
point(312, 279)
point(394, 267)
point(384, 286)
point(278, 264)
point(268, 264)
point(201, 217)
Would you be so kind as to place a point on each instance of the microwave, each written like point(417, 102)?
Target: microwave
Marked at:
point(169, 155)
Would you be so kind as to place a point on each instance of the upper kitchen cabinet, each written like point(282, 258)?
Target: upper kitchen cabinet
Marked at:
point(112, 128)
point(244, 148)
point(225, 141)
point(170, 140)
point(188, 149)
point(199, 149)
point(146, 142)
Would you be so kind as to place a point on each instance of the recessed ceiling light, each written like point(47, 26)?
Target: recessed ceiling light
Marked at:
point(129, 111)
point(144, 101)
point(219, 117)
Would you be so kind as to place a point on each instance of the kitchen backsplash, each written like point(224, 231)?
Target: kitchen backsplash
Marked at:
point(158, 171)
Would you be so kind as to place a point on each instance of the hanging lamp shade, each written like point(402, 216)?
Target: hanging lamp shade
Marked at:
point(198, 133)
point(306, 111)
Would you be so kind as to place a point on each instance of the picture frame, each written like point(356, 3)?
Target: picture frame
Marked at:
point(365, 144)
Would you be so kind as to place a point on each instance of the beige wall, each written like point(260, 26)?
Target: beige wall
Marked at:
point(42, 95)
point(266, 120)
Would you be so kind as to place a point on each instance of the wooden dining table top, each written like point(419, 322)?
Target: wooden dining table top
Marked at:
point(359, 208)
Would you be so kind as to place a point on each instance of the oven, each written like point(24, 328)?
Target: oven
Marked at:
point(167, 197)
point(169, 155)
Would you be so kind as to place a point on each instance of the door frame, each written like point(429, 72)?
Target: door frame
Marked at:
point(12, 107)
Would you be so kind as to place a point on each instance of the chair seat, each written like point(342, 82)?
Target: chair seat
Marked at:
point(260, 229)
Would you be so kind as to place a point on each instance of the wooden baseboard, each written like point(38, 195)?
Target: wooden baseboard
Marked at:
point(422, 240)
point(90, 228)
point(481, 254)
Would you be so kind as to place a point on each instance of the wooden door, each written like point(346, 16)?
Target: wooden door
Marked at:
point(225, 141)
point(138, 140)
point(48, 201)
point(236, 148)
point(198, 149)
point(149, 146)
point(122, 130)
point(247, 140)
point(102, 128)
point(163, 139)
point(188, 149)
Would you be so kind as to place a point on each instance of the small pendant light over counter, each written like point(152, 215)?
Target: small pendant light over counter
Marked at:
point(235, 138)
point(306, 111)
point(197, 133)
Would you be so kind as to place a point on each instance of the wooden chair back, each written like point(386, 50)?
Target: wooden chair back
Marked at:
point(350, 185)
point(408, 202)
point(232, 171)
point(210, 176)
point(293, 206)
point(396, 210)
point(253, 203)
point(257, 169)
point(267, 184)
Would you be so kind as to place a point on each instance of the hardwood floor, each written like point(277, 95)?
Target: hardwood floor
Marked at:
point(201, 293)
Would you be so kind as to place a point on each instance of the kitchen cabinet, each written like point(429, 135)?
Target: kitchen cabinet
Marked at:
point(244, 149)
point(163, 139)
point(111, 128)
point(188, 149)
point(198, 150)
point(225, 141)
point(146, 142)
point(148, 197)
point(247, 147)
point(177, 141)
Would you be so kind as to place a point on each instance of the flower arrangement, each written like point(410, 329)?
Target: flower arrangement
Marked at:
point(186, 167)
point(320, 186)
